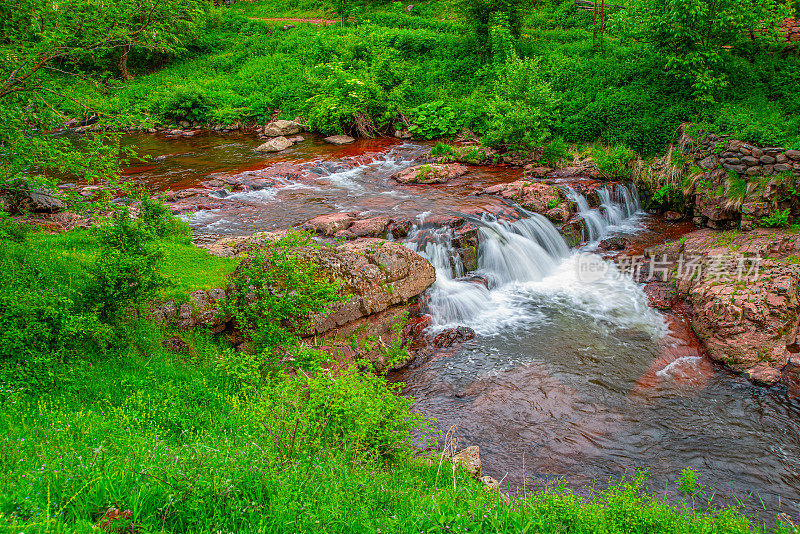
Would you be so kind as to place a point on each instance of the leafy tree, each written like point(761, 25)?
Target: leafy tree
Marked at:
point(694, 35)
point(43, 42)
point(479, 14)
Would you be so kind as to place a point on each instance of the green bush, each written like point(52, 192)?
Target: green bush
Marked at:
point(433, 120)
point(126, 270)
point(275, 292)
point(185, 103)
point(555, 152)
point(613, 162)
point(524, 109)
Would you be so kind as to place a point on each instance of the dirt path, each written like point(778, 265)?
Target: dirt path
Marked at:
point(307, 21)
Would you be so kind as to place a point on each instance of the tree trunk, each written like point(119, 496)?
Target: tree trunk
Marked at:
point(123, 64)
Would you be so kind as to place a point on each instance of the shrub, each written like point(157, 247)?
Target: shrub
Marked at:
point(555, 152)
point(275, 292)
point(126, 270)
point(185, 103)
point(524, 109)
point(158, 219)
point(613, 162)
point(432, 120)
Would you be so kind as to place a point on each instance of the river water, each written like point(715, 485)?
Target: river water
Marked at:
point(569, 378)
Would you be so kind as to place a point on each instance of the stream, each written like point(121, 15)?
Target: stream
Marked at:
point(568, 378)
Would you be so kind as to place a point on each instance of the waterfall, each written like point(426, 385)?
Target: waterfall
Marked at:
point(509, 252)
point(617, 204)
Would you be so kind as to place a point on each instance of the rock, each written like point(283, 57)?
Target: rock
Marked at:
point(782, 167)
point(672, 216)
point(20, 197)
point(281, 128)
point(400, 228)
point(534, 196)
point(750, 160)
point(739, 169)
point(660, 295)
point(296, 139)
point(709, 162)
point(287, 27)
point(339, 140)
point(613, 243)
point(274, 145)
point(176, 344)
point(793, 155)
point(373, 227)
point(448, 337)
point(744, 289)
point(434, 173)
point(90, 190)
point(409, 8)
point(766, 160)
point(374, 273)
point(329, 224)
point(469, 459)
point(754, 171)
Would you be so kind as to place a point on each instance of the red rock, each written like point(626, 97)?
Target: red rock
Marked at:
point(329, 224)
point(373, 227)
point(433, 173)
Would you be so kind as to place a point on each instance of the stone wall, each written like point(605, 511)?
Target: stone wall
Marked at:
point(737, 184)
point(792, 29)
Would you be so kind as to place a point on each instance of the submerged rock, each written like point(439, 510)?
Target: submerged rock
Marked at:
point(448, 337)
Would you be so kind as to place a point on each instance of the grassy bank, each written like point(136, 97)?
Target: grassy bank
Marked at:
point(104, 429)
point(390, 68)
point(186, 449)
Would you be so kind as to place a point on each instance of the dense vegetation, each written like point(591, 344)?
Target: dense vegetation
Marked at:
point(102, 427)
point(390, 68)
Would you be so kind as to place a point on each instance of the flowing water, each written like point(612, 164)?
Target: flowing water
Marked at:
point(570, 376)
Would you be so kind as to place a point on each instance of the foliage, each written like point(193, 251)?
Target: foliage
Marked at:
point(690, 35)
point(158, 219)
point(779, 219)
point(43, 44)
point(275, 292)
point(433, 120)
point(185, 450)
point(442, 149)
point(613, 162)
point(479, 15)
point(524, 109)
point(555, 152)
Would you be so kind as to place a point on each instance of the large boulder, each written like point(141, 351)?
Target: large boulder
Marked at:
point(375, 273)
point(744, 289)
point(277, 144)
point(281, 128)
point(431, 173)
point(20, 197)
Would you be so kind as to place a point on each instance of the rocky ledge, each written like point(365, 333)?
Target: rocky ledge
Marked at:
point(744, 289)
point(378, 278)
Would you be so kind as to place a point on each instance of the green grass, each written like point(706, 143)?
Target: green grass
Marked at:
point(180, 446)
point(186, 267)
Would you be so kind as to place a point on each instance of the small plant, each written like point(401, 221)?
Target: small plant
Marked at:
point(613, 162)
point(424, 173)
point(442, 149)
point(553, 203)
point(780, 219)
point(689, 484)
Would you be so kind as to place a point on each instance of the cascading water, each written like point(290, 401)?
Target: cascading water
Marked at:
point(519, 251)
point(617, 204)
